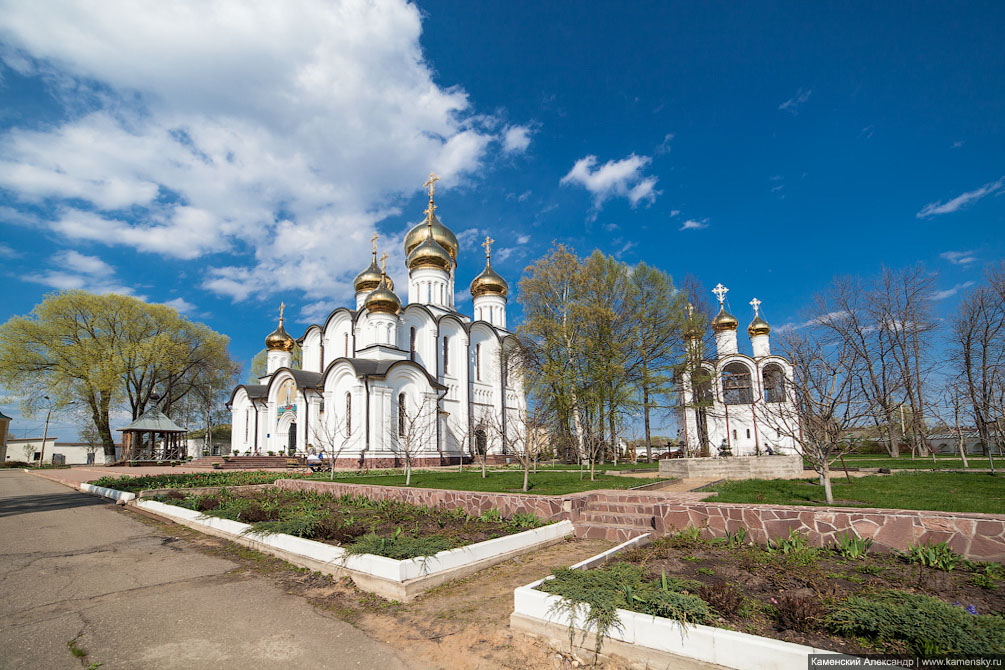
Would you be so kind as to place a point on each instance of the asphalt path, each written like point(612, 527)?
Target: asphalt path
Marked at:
point(75, 568)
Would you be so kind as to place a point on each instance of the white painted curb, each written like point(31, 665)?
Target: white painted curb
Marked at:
point(727, 648)
point(120, 496)
point(377, 566)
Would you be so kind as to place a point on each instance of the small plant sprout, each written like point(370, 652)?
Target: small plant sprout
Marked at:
point(852, 546)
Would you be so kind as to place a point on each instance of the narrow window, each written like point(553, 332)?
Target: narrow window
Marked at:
point(347, 345)
point(401, 414)
point(446, 355)
point(748, 433)
point(478, 362)
point(348, 414)
point(734, 434)
point(247, 421)
point(411, 344)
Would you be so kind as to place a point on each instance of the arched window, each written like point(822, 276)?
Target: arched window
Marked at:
point(478, 362)
point(347, 345)
point(348, 414)
point(774, 383)
point(736, 389)
point(481, 441)
point(247, 422)
point(411, 344)
point(401, 414)
point(446, 354)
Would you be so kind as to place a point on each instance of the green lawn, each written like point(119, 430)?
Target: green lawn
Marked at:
point(946, 491)
point(905, 462)
point(544, 482)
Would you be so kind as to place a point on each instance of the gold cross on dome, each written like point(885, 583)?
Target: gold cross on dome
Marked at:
point(383, 263)
point(755, 303)
point(282, 306)
point(488, 246)
point(373, 241)
point(720, 292)
point(429, 209)
point(431, 184)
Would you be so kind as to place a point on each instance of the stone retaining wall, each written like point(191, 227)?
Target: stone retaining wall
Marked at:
point(475, 503)
point(735, 467)
point(975, 536)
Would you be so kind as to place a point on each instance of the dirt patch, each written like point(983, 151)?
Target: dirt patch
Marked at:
point(461, 625)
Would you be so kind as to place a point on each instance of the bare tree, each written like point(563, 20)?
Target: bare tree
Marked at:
point(977, 356)
point(526, 436)
point(823, 401)
point(413, 430)
point(332, 436)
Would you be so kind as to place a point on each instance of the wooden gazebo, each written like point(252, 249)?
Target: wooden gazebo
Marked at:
point(153, 437)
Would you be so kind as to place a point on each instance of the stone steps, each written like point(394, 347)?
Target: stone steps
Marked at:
point(643, 521)
point(606, 531)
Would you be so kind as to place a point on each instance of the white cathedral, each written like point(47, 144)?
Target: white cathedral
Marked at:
point(383, 381)
point(743, 404)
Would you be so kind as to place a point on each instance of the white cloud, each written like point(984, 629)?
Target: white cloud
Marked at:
point(960, 201)
point(183, 306)
point(470, 239)
point(72, 270)
point(241, 127)
point(664, 146)
point(523, 239)
point(957, 144)
point(7, 251)
point(694, 224)
point(950, 292)
point(959, 257)
point(516, 139)
point(623, 178)
point(674, 212)
point(793, 104)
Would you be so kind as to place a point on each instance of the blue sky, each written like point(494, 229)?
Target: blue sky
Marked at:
point(222, 157)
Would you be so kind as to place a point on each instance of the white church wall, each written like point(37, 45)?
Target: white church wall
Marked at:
point(312, 349)
point(338, 336)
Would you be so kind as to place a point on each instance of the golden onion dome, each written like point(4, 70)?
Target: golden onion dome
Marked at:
point(693, 330)
point(279, 339)
point(441, 234)
point(489, 283)
point(758, 327)
point(724, 321)
point(368, 279)
point(383, 300)
point(429, 254)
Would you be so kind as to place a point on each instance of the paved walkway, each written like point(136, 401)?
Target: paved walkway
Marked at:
point(77, 567)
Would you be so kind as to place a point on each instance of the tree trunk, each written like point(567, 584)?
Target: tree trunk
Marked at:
point(526, 474)
point(408, 472)
point(825, 478)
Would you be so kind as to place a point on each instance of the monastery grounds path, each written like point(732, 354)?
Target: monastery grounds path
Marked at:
point(75, 566)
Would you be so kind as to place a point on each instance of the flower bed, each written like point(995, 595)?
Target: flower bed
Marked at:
point(363, 526)
point(925, 601)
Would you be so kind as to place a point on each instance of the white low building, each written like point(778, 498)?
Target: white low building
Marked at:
point(29, 450)
point(381, 382)
point(743, 401)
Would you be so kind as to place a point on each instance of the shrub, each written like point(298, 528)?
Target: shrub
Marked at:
point(254, 512)
point(399, 546)
point(207, 503)
point(926, 624)
point(174, 495)
point(797, 612)
point(852, 546)
point(725, 598)
point(938, 556)
point(343, 533)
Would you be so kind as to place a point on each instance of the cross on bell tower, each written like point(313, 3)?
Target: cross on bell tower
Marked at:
point(755, 303)
point(720, 292)
point(488, 247)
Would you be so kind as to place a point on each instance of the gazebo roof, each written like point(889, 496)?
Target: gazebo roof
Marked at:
point(4, 416)
point(153, 421)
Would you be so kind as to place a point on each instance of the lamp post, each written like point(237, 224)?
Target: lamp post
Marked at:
point(45, 433)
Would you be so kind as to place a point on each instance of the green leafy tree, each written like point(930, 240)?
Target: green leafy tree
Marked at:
point(259, 363)
point(94, 353)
